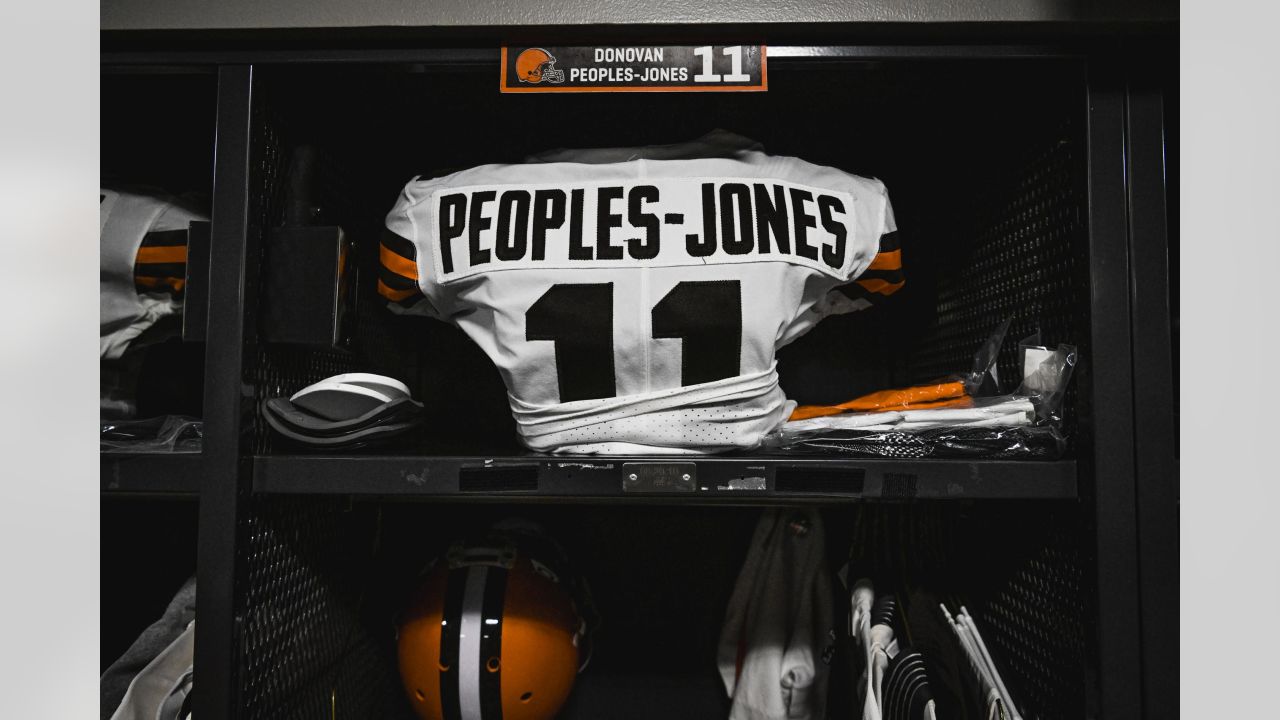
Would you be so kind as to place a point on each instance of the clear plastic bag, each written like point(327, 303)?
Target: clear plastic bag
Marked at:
point(1031, 442)
point(1023, 424)
point(164, 434)
point(1045, 374)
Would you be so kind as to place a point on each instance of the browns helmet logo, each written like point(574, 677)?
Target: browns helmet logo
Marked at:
point(536, 65)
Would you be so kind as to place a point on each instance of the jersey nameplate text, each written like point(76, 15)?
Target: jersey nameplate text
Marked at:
point(646, 68)
point(661, 222)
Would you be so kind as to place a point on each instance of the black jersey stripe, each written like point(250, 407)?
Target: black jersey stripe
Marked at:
point(399, 245)
point(164, 238)
point(408, 303)
point(495, 591)
point(173, 286)
point(450, 636)
point(395, 280)
point(854, 291)
point(889, 242)
point(169, 270)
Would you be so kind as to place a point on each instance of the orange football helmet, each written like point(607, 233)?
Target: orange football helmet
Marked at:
point(536, 65)
point(494, 630)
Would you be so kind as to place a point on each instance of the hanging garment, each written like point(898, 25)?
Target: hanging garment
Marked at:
point(169, 674)
point(179, 613)
point(178, 705)
point(871, 624)
point(143, 259)
point(907, 694)
point(778, 623)
point(860, 603)
point(996, 696)
point(884, 646)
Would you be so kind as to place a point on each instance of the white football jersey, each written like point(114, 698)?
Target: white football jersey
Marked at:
point(637, 306)
point(143, 258)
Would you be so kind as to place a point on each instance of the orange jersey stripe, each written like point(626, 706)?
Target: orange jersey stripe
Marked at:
point(891, 260)
point(883, 287)
point(163, 254)
point(398, 264)
point(393, 295)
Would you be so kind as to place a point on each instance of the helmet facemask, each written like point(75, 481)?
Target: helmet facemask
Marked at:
point(547, 72)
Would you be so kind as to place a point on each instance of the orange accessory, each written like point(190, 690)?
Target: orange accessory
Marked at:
point(490, 633)
point(919, 397)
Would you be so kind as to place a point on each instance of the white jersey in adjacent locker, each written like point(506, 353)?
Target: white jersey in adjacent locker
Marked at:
point(143, 239)
point(637, 306)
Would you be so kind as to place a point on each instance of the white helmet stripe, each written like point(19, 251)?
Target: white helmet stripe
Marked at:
point(469, 660)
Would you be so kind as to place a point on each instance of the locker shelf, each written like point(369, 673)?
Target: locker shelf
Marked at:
point(152, 474)
point(721, 480)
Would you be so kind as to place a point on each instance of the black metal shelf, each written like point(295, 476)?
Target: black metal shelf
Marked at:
point(176, 474)
point(720, 480)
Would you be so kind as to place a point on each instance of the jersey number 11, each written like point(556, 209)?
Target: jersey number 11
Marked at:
point(706, 315)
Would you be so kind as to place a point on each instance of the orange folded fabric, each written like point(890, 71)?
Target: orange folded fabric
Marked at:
point(918, 397)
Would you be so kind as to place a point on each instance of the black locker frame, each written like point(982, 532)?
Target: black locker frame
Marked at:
point(1129, 477)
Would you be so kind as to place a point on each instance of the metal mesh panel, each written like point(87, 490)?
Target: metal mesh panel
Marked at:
point(1028, 262)
point(1036, 625)
point(1019, 571)
point(305, 652)
point(277, 370)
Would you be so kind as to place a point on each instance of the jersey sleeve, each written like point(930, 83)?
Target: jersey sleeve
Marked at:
point(398, 276)
point(160, 266)
point(884, 276)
